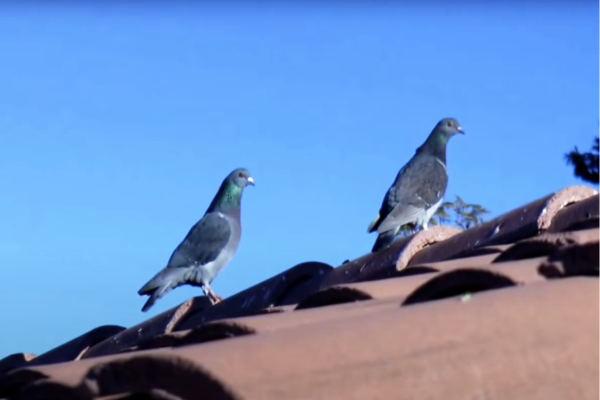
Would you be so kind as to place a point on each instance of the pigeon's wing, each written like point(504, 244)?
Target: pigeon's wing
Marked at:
point(203, 243)
point(391, 197)
point(419, 186)
point(390, 201)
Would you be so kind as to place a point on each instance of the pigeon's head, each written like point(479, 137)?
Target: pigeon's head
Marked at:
point(241, 178)
point(449, 127)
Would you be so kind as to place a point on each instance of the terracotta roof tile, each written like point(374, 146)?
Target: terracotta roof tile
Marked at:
point(491, 312)
point(504, 344)
point(161, 324)
point(279, 290)
point(14, 361)
point(521, 223)
point(546, 244)
point(74, 349)
point(577, 215)
point(388, 262)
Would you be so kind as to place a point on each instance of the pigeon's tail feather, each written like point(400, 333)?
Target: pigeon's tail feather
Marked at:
point(373, 224)
point(384, 240)
point(156, 294)
point(165, 281)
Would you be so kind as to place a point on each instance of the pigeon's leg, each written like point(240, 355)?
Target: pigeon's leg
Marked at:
point(425, 226)
point(212, 296)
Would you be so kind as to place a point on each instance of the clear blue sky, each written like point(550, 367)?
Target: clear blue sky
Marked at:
point(117, 126)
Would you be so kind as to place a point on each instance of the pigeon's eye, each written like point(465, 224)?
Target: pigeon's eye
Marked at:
point(241, 174)
point(449, 124)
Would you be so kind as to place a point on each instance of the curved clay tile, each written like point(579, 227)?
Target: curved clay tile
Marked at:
point(521, 223)
point(272, 292)
point(505, 342)
point(210, 332)
point(73, 349)
point(16, 380)
point(456, 283)
point(153, 394)
point(475, 261)
point(158, 325)
point(562, 199)
point(175, 376)
point(482, 251)
point(423, 241)
point(576, 260)
point(14, 361)
point(510, 339)
point(576, 214)
point(442, 281)
point(48, 390)
point(387, 262)
point(546, 244)
point(333, 295)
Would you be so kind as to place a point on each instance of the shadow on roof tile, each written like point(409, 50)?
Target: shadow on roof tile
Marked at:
point(48, 390)
point(394, 273)
point(585, 224)
point(511, 339)
point(301, 318)
point(456, 283)
point(273, 310)
point(520, 223)
point(259, 299)
point(174, 375)
point(212, 331)
point(576, 260)
point(74, 349)
point(333, 295)
point(279, 290)
point(582, 213)
point(546, 244)
point(474, 261)
point(158, 325)
point(481, 251)
point(389, 261)
point(14, 361)
point(16, 380)
point(448, 279)
point(360, 291)
point(154, 394)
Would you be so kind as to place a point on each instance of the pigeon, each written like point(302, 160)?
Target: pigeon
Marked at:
point(208, 247)
point(419, 187)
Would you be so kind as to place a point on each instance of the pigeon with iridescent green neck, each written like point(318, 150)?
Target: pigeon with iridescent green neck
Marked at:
point(419, 188)
point(208, 246)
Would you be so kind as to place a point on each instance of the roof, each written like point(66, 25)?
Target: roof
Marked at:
point(505, 310)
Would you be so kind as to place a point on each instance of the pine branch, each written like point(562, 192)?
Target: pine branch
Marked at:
point(585, 164)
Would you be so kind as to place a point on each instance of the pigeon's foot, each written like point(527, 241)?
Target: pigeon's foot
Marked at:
point(212, 296)
point(215, 299)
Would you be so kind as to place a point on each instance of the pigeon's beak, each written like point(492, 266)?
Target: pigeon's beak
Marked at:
point(460, 130)
point(250, 181)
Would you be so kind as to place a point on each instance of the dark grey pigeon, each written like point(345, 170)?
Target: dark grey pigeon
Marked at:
point(419, 187)
point(208, 246)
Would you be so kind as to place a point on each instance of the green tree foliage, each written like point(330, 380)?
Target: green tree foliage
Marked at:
point(585, 165)
point(453, 213)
